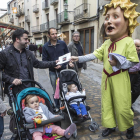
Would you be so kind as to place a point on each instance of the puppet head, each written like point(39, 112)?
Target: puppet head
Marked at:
point(129, 12)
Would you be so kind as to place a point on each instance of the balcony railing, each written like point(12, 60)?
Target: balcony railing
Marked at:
point(44, 27)
point(35, 29)
point(11, 20)
point(27, 18)
point(20, 12)
point(53, 2)
point(53, 23)
point(82, 12)
point(45, 5)
point(36, 8)
point(63, 18)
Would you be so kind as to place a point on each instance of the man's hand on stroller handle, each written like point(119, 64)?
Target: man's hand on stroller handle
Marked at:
point(17, 82)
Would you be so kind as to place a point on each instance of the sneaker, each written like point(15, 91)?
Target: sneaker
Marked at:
point(70, 130)
point(80, 117)
point(130, 133)
point(85, 117)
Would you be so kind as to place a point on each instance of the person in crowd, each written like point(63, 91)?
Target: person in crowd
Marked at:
point(28, 44)
point(134, 74)
point(35, 49)
point(119, 25)
point(40, 50)
point(77, 104)
point(51, 51)
point(34, 109)
point(17, 63)
point(76, 49)
point(31, 48)
point(2, 114)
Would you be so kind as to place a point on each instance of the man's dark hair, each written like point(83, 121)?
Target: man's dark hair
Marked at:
point(18, 33)
point(50, 29)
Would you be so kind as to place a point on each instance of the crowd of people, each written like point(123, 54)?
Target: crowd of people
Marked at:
point(18, 60)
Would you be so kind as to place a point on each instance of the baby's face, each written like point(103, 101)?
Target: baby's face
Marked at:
point(33, 103)
point(73, 88)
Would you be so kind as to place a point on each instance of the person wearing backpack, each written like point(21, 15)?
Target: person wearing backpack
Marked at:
point(2, 114)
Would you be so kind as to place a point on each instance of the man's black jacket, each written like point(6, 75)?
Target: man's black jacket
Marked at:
point(10, 68)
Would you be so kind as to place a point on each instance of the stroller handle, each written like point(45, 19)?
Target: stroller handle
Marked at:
point(24, 81)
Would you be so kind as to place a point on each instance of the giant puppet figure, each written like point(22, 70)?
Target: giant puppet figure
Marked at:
point(120, 22)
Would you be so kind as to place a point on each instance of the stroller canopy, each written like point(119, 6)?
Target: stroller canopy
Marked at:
point(32, 90)
point(69, 76)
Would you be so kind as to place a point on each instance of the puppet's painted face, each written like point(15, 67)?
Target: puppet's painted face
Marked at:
point(115, 24)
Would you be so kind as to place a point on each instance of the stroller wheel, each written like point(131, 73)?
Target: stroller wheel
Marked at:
point(74, 134)
point(93, 127)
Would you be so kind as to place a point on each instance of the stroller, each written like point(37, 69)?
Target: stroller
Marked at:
point(68, 77)
point(17, 106)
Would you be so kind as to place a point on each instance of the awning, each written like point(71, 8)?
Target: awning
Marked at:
point(4, 36)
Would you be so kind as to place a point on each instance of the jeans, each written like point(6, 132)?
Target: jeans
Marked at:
point(78, 108)
point(1, 126)
point(53, 77)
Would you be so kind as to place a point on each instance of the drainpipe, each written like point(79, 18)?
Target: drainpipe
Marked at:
point(60, 16)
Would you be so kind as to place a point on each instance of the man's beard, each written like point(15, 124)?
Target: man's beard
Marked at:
point(23, 46)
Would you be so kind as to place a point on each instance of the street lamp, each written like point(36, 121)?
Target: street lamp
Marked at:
point(66, 6)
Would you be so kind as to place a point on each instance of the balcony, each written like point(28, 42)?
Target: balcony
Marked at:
point(22, 12)
point(35, 29)
point(53, 23)
point(11, 20)
point(63, 18)
point(53, 2)
point(36, 8)
point(44, 27)
point(18, 14)
point(45, 5)
point(27, 18)
point(82, 13)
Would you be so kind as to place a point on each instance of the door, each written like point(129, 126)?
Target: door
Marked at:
point(67, 37)
point(82, 38)
point(87, 42)
point(92, 41)
point(46, 3)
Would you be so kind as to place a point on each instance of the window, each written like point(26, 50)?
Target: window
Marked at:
point(15, 4)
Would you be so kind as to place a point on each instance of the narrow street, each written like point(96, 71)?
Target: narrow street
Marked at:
point(91, 81)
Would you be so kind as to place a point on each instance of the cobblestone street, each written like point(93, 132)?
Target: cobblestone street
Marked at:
point(93, 93)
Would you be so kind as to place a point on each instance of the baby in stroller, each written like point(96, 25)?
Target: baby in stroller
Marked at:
point(77, 104)
point(35, 109)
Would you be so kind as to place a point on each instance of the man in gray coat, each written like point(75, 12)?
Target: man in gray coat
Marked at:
point(2, 114)
point(76, 49)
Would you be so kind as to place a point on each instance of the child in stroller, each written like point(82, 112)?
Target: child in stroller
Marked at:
point(77, 104)
point(34, 109)
point(68, 77)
